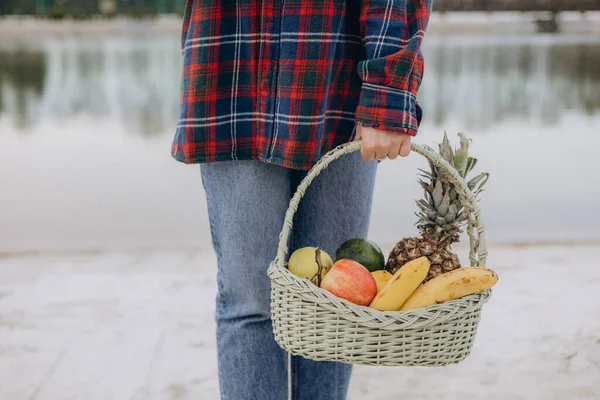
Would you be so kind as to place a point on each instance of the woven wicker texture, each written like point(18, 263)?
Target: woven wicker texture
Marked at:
point(311, 322)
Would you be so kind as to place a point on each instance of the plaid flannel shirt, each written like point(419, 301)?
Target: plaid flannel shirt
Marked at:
point(284, 81)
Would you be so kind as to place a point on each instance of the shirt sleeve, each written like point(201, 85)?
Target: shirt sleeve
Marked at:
point(392, 31)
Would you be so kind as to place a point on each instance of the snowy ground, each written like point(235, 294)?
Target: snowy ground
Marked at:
point(139, 325)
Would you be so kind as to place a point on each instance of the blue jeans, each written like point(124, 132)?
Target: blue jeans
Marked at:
point(246, 203)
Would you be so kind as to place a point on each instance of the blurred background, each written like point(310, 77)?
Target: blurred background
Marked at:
point(105, 253)
point(84, 9)
point(88, 110)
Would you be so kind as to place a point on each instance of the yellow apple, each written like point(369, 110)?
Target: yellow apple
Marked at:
point(303, 263)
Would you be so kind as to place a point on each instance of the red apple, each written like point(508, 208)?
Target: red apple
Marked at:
point(351, 281)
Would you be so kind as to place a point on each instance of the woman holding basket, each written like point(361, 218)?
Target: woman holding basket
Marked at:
point(268, 87)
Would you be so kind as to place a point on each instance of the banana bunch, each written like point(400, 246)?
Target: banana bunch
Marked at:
point(404, 290)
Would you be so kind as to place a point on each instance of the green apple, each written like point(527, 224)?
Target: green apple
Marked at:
point(303, 263)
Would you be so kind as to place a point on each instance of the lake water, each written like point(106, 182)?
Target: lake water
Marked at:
point(86, 124)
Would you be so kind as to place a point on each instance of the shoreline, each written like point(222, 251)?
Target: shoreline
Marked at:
point(66, 252)
point(24, 27)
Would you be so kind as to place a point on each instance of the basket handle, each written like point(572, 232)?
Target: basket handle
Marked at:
point(475, 228)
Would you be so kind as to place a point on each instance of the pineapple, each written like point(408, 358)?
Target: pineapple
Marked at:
point(441, 215)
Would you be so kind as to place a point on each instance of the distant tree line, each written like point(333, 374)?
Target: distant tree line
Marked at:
point(18, 7)
point(87, 8)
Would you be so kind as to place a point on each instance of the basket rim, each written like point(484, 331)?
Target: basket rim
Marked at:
point(394, 320)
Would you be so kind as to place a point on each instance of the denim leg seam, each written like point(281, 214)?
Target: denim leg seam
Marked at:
point(217, 248)
point(336, 375)
point(294, 368)
point(211, 221)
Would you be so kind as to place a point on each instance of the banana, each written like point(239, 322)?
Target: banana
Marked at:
point(450, 286)
point(402, 284)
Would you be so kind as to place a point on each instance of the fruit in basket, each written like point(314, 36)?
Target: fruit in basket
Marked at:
point(451, 286)
point(351, 281)
point(441, 214)
point(363, 251)
point(401, 286)
point(381, 278)
point(303, 263)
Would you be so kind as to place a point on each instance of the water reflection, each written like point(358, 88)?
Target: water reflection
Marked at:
point(86, 126)
point(22, 76)
point(136, 80)
point(482, 84)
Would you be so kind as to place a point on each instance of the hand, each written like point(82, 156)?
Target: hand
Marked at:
point(381, 144)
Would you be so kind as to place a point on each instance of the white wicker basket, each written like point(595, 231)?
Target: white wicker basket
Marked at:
point(311, 322)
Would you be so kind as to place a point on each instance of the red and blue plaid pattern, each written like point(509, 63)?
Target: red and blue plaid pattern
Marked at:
point(284, 81)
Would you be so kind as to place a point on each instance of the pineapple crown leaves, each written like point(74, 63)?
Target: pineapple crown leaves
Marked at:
point(465, 164)
point(441, 213)
point(460, 160)
point(476, 184)
point(446, 150)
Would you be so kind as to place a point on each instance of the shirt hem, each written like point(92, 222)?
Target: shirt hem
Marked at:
point(200, 159)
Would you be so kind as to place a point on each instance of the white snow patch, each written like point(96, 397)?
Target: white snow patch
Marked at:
point(140, 326)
